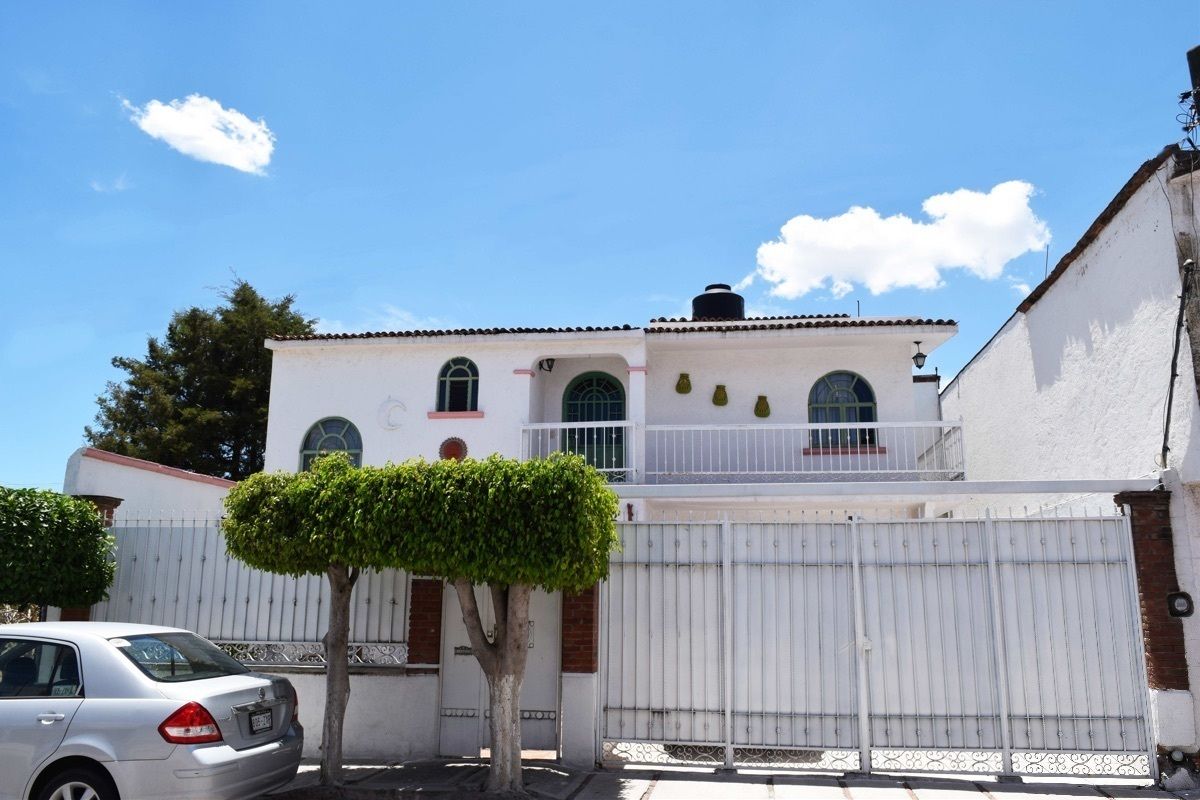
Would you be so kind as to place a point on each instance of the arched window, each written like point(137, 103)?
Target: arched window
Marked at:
point(331, 435)
point(458, 386)
point(842, 397)
point(596, 397)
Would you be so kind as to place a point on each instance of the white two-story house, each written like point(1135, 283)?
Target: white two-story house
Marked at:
point(715, 399)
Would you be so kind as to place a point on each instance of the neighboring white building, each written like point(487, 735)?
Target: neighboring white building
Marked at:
point(1075, 383)
point(145, 490)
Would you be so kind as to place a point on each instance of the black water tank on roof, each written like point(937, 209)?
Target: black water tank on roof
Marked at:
point(719, 301)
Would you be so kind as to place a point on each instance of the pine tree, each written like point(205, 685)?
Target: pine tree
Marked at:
point(198, 399)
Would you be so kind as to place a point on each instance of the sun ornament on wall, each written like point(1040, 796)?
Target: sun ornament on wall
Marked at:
point(453, 448)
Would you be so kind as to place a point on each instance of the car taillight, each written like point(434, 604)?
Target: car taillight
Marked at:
point(295, 704)
point(190, 724)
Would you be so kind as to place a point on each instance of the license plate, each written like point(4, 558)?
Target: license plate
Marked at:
point(261, 721)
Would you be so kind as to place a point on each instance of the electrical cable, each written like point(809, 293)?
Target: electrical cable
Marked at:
point(1185, 284)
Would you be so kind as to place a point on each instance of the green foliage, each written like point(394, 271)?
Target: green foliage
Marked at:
point(198, 400)
point(54, 550)
point(547, 523)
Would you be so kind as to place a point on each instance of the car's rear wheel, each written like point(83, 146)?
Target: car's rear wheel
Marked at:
point(79, 783)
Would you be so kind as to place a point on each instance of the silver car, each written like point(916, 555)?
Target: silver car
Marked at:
point(98, 710)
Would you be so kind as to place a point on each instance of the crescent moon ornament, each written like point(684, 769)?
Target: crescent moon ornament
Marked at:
point(391, 413)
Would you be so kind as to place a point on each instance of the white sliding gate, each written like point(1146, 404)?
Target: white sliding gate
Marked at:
point(1005, 646)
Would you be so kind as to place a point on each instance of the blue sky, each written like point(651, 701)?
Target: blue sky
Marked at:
point(446, 164)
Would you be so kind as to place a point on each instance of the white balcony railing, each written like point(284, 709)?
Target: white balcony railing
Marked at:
point(829, 451)
point(872, 451)
point(608, 446)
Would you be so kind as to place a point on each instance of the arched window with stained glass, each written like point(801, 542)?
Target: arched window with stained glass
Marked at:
point(842, 397)
point(458, 386)
point(331, 435)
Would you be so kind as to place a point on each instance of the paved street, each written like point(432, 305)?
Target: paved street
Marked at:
point(447, 779)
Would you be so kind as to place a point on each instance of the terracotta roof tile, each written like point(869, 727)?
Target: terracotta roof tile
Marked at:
point(801, 324)
point(317, 337)
point(1144, 173)
point(751, 319)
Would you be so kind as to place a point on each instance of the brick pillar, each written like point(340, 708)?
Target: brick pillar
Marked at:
point(579, 710)
point(425, 626)
point(106, 506)
point(1154, 558)
point(580, 631)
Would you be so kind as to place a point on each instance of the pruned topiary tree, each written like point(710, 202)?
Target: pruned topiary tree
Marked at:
point(54, 550)
point(304, 524)
point(512, 526)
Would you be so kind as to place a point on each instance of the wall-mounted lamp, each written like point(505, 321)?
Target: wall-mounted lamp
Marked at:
point(546, 365)
point(919, 358)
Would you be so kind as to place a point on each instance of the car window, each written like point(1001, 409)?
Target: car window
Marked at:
point(174, 657)
point(37, 669)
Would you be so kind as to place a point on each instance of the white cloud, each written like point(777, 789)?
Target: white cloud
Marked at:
point(745, 282)
point(1020, 287)
point(976, 231)
point(385, 318)
point(121, 183)
point(199, 127)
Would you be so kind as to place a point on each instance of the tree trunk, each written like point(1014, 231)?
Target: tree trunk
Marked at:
point(337, 673)
point(503, 664)
point(504, 698)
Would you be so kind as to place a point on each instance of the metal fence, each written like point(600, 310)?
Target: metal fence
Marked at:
point(610, 447)
point(1005, 646)
point(177, 572)
point(756, 453)
point(842, 451)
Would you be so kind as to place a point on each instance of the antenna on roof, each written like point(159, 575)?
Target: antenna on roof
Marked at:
point(1046, 269)
point(858, 307)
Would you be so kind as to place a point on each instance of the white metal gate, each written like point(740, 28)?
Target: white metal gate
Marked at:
point(1006, 646)
point(177, 572)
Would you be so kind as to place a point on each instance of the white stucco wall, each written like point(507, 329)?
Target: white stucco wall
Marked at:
point(391, 716)
point(783, 369)
point(926, 404)
point(146, 489)
point(388, 387)
point(1076, 388)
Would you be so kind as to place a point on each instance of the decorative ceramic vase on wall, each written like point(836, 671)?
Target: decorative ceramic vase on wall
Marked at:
point(720, 398)
point(684, 384)
point(762, 408)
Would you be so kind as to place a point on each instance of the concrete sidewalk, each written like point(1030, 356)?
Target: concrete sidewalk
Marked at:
point(550, 781)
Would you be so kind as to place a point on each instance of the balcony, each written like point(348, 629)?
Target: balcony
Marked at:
point(675, 454)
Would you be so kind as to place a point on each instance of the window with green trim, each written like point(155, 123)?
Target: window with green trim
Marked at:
point(842, 397)
point(458, 386)
point(596, 397)
point(331, 435)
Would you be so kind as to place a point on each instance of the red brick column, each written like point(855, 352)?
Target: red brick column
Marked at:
point(106, 506)
point(424, 625)
point(1154, 557)
point(581, 631)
